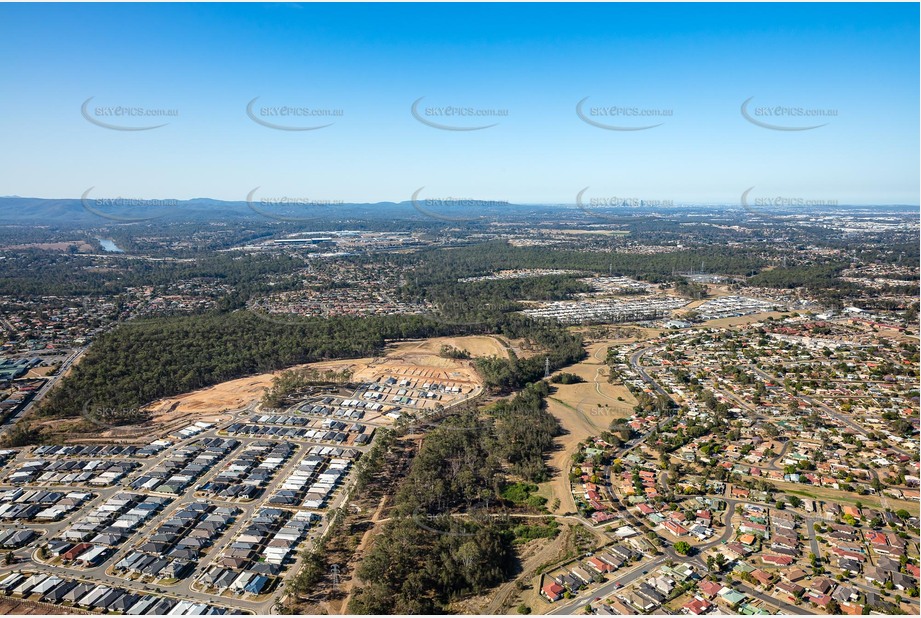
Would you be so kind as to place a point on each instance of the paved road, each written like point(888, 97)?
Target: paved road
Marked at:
point(836, 414)
point(47, 386)
point(787, 607)
point(621, 579)
point(186, 588)
point(813, 541)
point(627, 577)
point(182, 589)
point(635, 363)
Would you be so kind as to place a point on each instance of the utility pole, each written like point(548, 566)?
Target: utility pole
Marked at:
point(547, 367)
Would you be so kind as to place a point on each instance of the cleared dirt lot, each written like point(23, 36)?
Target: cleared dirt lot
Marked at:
point(476, 346)
point(418, 360)
point(584, 410)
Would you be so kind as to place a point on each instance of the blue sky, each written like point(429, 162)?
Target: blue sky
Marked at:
point(697, 62)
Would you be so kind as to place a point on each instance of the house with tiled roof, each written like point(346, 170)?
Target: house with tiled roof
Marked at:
point(822, 600)
point(789, 591)
point(821, 585)
point(754, 528)
point(711, 589)
point(730, 596)
point(747, 539)
point(763, 577)
point(674, 528)
point(553, 591)
point(697, 606)
point(735, 550)
point(794, 575)
point(777, 560)
point(599, 565)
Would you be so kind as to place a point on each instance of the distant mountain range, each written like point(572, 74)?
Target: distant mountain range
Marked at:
point(94, 212)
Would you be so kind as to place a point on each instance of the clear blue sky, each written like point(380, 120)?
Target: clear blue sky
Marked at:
point(537, 61)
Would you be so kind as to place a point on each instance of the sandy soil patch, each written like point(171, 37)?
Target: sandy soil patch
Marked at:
point(231, 395)
point(39, 372)
point(476, 346)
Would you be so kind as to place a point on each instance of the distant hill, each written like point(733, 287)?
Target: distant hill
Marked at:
point(93, 212)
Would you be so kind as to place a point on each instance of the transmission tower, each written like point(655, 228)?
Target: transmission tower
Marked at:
point(334, 572)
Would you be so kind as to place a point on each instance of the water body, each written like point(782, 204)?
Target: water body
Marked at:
point(109, 245)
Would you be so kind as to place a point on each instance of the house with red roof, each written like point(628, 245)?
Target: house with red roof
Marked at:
point(749, 526)
point(676, 516)
point(822, 600)
point(599, 517)
point(849, 554)
point(764, 578)
point(645, 509)
point(876, 538)
point(711, 589)
point(552, 591)
point(75, 551)
point(676, 529)
point(777, 560)
point(599, 565)
point(697, 606)
point(739, 492)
